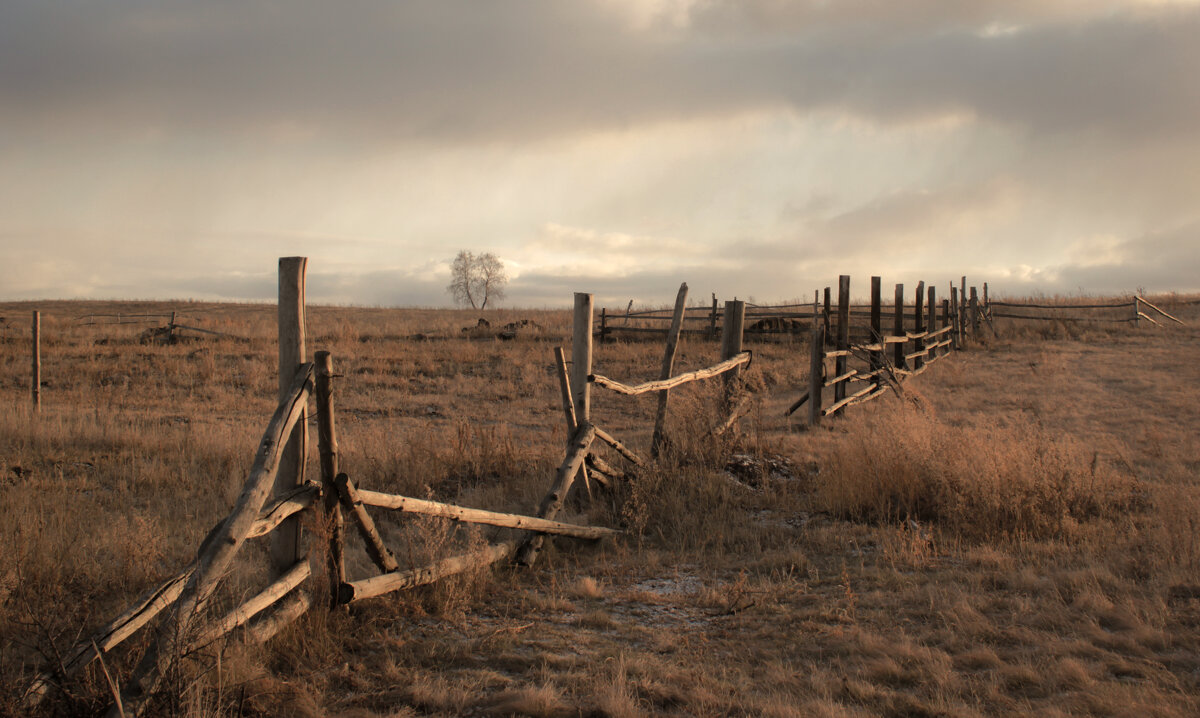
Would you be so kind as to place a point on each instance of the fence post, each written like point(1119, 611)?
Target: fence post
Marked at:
point(581, 358)
point(660, 418)
point(956, 332)
point(962, 310)
point(603, 324)
point(843, 333)
point(327, 448)
point(1137, 311)
point(731, 344)
point(946, 322)
point(828, 334)
point(876, 357)
point(816, 366)
point(931, 320)
point(712, 318)
point(285, 540)
point(974, 314)
point(919, 324)
point(898, 329)
point(35, 380)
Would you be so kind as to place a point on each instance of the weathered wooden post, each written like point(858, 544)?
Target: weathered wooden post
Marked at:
point(919, 325)
point(931, 320)
point(327, 445)
point(898, 329)
point(816, 366)
point(946, 322)
point(843, 334)
point(876, 356)
point(35, 380)
point(660, 418)
point(974, 314)
point(731, 344)
point(962, 311)
point(285, 540)
point(956, 332)
point(603, 324)
point(171, 329)
point(828, 333)
point(581, 358)
point(712, 318)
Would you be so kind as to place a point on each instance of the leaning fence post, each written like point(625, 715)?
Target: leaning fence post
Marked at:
point(285, 540)
point(35, 380)
point(328, 450)
point(731, 344)
point(898, 328)
point(876, 356)
point(816, 367)
point(843, 334)
point(660, 418)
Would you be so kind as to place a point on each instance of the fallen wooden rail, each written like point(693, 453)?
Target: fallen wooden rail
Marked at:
point(480, 516)
point(674, 381)
point(388, 582)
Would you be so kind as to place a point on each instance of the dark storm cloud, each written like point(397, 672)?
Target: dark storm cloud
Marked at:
point(364, 70)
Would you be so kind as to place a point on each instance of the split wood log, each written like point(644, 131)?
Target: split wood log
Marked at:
point(1160, 311)
point(266, 624)
point(840, 379)
point(352, 502)
point(620, 448)
point(673, 382)
point(602, 466)
point(837, 353)
point(481, 516)
point(213, 562)
point(740, 408)
point(388, 582)
point(553, 501)
point(668, 365)
point(848, 400)
point(917, 355)
point(281, 587)
point(283, 507)
point(327, 449)
point(1142, 315)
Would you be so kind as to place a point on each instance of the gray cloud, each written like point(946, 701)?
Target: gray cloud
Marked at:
point(500, 71)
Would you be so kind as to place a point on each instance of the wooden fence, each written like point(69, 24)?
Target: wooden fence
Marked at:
point(277, 492)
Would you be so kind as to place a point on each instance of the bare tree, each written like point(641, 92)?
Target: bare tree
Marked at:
point(476, 279)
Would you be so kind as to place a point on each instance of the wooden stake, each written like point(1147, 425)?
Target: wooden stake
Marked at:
point(919, 324)
point(843, 333)
point(327, 448)
point(581, 358)
point(816, 368)
point(732, 329)
point(376, 549)
point(35, 381)
point(931, 319)
point(668, 365)
point(898, 329)
point(876, 355)
point(285, 542)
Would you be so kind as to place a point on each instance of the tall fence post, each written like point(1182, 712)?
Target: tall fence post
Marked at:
point(327, 446)
point(712, 318)
point(843, 334)
point(731, 344)
point(285, 540)
point(962, 311)
point(876, 356)
point(946, 322)
point(956, 332)
point(974, 314)
point(931, 320)
point(603, 324)
point(581, 358)
point(898, 328)
point(660, 417)
point(35, 379)
point(919, 324)
point(828, 333)
point(816, 366)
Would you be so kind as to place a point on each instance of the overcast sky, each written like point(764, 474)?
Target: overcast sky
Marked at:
point(757, 148)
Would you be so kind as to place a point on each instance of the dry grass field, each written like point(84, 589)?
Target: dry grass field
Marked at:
point(1019, 534)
